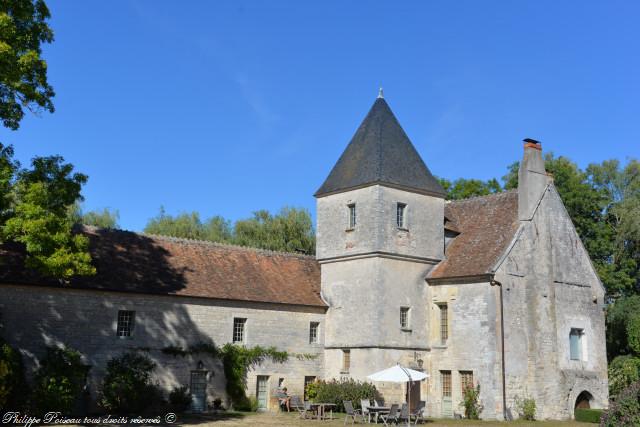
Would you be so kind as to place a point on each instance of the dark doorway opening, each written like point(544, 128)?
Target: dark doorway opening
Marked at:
point(583, 400)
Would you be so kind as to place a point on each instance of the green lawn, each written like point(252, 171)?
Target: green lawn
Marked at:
point(240, 419)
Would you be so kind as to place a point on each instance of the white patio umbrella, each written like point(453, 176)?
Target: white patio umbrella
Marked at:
point(399, 374)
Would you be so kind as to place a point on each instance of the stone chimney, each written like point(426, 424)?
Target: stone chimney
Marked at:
point(532, 179)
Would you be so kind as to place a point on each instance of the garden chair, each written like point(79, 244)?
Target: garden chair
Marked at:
point(364, 405)
point(391, 416)
point(404, 415)
point(418, 412)
point(353, 413)
point(296, 403)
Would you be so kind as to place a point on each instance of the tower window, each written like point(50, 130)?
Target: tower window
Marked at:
point(352, 215)
point(404, 317)
point(401, 209)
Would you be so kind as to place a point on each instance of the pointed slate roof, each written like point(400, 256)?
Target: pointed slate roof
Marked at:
point(380, 153)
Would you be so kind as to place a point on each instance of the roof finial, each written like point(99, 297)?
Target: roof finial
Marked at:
point(380, 93)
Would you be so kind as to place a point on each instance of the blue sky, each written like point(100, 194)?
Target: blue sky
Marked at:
point(229, 107)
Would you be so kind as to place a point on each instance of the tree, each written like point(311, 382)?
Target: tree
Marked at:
point(23, 72)
point(36, 216)
point(106, 218)
point(291, 230)
point(463, 188)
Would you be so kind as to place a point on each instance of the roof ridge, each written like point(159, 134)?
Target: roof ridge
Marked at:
point(486, 196)
point(186, 240)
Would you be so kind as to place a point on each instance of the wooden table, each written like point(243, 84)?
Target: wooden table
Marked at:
point(377, 410)
point(321, 408)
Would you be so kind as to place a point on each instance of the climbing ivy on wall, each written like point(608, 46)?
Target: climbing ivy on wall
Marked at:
point(237, 361)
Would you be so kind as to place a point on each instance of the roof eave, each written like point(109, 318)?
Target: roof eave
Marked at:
point(318, 194)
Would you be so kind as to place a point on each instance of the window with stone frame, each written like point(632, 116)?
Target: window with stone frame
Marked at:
point(313, 332)
point(404, 317)
point(444, 323)
point(445, 381)
point(466, 380)
point(401, 209)
point(346, 361)
point(126, 322)
point(575, 343)
point(352, 215)
point(239, 329)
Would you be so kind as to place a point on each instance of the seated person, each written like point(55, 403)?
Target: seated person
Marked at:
point(284, 399)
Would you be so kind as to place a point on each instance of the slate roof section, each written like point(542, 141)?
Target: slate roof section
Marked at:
point(380, 153)
point(487, 225)
point(132, 262)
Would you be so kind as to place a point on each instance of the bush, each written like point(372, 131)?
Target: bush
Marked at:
point(526, 408)
point(337, 391)
point(180, 398)
point(625, 410)
point(471, 403)
point(127, 386)
point(59, 381)
point(623, 371)
point(588, 415)
point(13, 387)
point(248, 404)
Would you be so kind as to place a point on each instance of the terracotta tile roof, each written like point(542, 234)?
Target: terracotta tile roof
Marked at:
point(132, 262)
point(487, 225)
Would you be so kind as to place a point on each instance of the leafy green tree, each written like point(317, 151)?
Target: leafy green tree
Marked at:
point(184, 225)
point(463, 188)
point(621, 327)
point(37, 218)
point(8, 168)
point(23, 72)
point(105, 218)
point(291, 230)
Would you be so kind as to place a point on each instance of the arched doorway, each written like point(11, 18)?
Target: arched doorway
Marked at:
point(583, 401)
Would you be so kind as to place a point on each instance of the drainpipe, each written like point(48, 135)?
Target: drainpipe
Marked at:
point(504, 381)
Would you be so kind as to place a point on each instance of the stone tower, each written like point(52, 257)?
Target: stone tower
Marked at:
point(380, 230)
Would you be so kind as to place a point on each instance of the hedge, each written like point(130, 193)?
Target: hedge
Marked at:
point(588, 415)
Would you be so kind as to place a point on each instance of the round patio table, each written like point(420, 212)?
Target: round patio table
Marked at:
point(377, 410)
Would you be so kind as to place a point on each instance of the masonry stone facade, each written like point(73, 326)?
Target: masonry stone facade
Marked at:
point(495, 291)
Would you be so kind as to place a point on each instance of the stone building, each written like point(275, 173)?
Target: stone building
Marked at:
point(495, 290)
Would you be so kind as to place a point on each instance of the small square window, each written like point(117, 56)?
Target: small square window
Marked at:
point(404, 317)
point(313, 332)
point(401, 209)
point(352, 215)
point(238, 329)
point(575, 343)
point(346, 361)
point(126, 322)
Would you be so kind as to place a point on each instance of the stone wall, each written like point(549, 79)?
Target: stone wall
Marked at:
point(34, 317)
point(376, 228)
point(549, 288)
point(472, 345)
